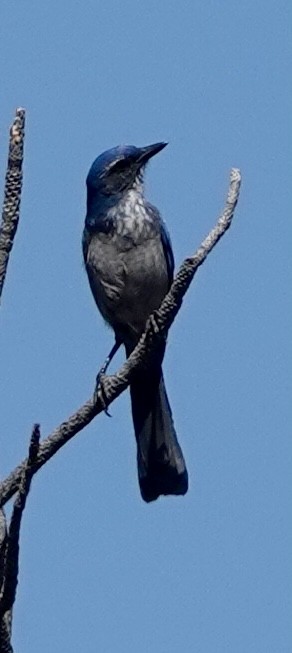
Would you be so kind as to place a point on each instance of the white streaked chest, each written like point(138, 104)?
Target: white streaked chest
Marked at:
point(130, 216)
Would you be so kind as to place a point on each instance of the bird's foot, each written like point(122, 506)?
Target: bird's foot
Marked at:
point(100, 391)
point(155, 328)
point(152, 323)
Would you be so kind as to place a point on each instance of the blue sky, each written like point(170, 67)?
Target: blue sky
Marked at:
point(210, 572)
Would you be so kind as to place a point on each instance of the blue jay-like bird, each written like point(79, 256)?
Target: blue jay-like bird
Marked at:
point(129, 262)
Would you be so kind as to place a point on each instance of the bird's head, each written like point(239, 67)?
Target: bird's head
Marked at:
point(118, 169)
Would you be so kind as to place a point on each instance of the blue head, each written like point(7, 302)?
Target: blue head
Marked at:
point(117, 170)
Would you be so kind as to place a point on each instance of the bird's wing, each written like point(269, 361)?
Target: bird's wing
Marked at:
point(168, 253)
point(165, 240)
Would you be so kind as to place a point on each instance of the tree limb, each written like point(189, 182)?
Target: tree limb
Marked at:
point(157, 327)
point(10, 556)
point(12, 192)
point(3, 542)
point(10, 575)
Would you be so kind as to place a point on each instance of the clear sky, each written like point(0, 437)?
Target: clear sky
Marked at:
point(100, 569)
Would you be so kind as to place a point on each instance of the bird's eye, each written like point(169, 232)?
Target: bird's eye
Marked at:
point(119, 166)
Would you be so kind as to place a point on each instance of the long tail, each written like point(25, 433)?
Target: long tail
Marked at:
point(161, 465)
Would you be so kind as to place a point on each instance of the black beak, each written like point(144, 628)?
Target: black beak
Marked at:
point(150, 150)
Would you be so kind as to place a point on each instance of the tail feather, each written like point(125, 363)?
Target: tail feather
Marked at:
point(161, 465)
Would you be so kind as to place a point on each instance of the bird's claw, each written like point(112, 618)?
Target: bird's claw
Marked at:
point(100, 391)
point(153, 323)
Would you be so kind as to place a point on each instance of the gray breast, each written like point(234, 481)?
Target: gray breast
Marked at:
point(127, 271)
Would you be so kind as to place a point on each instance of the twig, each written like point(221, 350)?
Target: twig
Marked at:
point(12, 192)
point(6, 622)
point(3, 540)
point(11, 562)
point(114, 385)
point(5, 635)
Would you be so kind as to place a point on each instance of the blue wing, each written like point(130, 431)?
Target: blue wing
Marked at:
point(165, 240)
point(168, 253)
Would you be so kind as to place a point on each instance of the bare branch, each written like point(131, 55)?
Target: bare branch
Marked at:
point(5, 622)
point(5, 634)
point(3, 540)
point(3, 544)
point(10, 547)
point(157, 327)
point(11, 562)
point(12, 192)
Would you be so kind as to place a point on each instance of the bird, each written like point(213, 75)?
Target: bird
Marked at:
point(129, 263)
